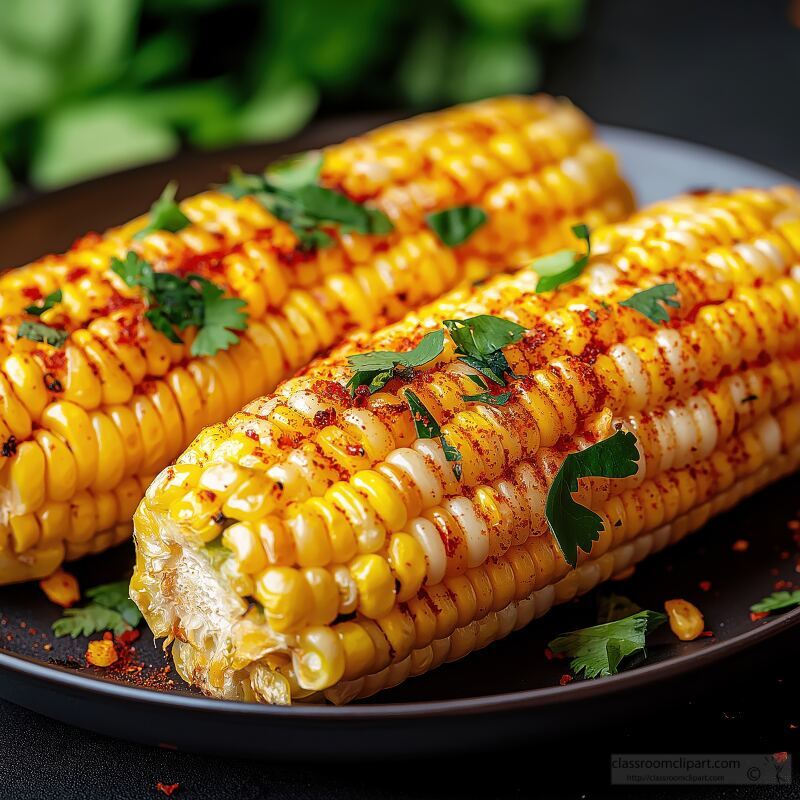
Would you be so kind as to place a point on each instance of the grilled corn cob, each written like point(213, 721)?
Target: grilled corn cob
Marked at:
point(317, 546)
point(84, 427)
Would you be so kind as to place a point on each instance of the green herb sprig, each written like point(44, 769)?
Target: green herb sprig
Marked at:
point(777, 601)
point(290, 190)
point(565, 265)
point(175, 302)
point(453, 226)
point(165, 214)
point(599, 650)
point(110, 609)
point(427, 427)
point(480, 341)
point(654, 302)
point(574, 526)
point(45, 305)
point(39, 332)
point(376, 369)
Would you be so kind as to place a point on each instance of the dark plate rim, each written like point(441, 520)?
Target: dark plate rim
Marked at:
point(59, 677)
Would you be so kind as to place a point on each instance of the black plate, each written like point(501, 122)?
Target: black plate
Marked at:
point(508, 691)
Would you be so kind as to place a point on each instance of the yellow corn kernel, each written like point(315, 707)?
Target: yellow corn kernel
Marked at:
point(286, 597)
point(407, 560)
point(382, 497)
point(25, 532)
point(375, 583)
point(325, 592)
point(319, 661)
point(73, 425)
point(25, 375)
point(685, 619)
point(101, 653)
point(359, 650)
point(246, 546)
point(61, 588)
point(26, 478)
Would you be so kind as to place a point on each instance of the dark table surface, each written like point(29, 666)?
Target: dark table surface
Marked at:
point(722, 72)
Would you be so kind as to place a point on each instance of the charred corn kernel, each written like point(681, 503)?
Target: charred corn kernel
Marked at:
point(61, 588)
point(119, 400)
point(685, 619)
point(101, 653)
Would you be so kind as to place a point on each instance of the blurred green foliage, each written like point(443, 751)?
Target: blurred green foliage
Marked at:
point(89, 86)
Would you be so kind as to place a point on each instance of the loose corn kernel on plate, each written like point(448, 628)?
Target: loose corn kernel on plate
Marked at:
point(509, 691)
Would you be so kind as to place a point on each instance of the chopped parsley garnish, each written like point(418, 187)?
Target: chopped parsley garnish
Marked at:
point(290, 190)
point(612, 607)
point(599, 650)
point(46, 304)
point(480, 341)
point(573, 525)
point(455, 225)
point(178, 302)
point(777, 601)
point(653, 302)
point(110, 609)
point(165, 214)
point(376, 369)
point(427, 427)
point(295, 171)
point(563, 266)
point(39, 332)
point(488, 398)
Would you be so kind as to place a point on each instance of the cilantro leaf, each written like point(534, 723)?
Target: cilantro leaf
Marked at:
point(455, 225)
point(483, 335)
point(39, 332)
point(599, 650)
point(376, 369)
point(89, 620)
point(573, 525)
point(652, 302)
point(563, 266)
point(46, 304)
point(295, 171)
point(110, 609)
point(177, 302)
point(612, 607)
point(240, 184)
point(289, 190)
point(221, 316)
point(777, 601)
point(427, 427)
point(134, 271)
point(488, 398)
point(165, 214)
point(479, 341)
point(452, 454)
point(425, 423)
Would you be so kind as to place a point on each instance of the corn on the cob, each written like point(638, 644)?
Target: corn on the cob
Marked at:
point(351, 554)
point(84, 428)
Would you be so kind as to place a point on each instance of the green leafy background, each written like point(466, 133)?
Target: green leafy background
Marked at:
point(91, 86)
